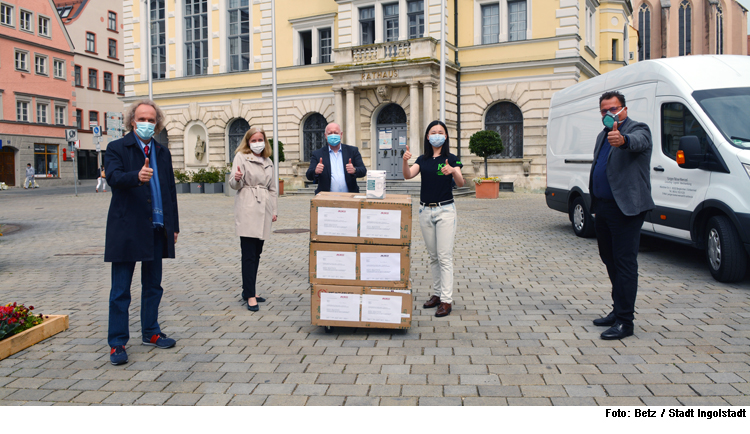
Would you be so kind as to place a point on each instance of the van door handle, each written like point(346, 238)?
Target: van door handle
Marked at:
point(659, 169)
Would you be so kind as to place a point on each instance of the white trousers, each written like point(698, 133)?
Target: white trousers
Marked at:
point(101, 182)
point(439, 230)
point(30, 182)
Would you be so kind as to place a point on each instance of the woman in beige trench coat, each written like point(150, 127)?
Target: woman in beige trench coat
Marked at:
point(254, 206)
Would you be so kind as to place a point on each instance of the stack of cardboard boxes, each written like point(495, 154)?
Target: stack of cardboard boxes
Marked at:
point(359, 261)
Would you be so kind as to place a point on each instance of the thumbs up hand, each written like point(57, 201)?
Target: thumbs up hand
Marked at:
point(145, 174)
point(319, 168)
point(447, 169)
point(238, 174)
point(350, 167)
point(615, 138)
point(407, 155)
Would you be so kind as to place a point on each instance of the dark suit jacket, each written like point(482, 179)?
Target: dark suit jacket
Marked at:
point(130, 231)
point(324, 179)
point(628, 169)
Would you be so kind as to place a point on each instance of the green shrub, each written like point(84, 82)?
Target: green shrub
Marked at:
point(281, 150)
point(485, 143)
point(181, 176)
point(199, 176)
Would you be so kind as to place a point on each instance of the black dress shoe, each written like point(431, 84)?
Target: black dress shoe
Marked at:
point(256, 308)
point(607, 321)
point(434, 301)
point(618, 331)
point(260, 299)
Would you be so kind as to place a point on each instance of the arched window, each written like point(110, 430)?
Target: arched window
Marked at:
point(237, 131)
point(685, 28)
point(506, 118)
point(313, 133)
point(719, 30)
point(644, 30)
point(392, 114)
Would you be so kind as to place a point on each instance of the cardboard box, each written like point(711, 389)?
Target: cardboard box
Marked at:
point(358, 306)
point(359, 265)
point(351, 218)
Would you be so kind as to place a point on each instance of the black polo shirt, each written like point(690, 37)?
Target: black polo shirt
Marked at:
point(436, 187)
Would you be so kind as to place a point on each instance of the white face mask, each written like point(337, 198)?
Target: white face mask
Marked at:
point(257, 147)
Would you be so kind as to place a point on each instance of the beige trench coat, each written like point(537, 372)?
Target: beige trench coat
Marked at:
point(255, 203)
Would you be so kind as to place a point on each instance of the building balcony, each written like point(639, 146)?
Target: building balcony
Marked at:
point(409, 50)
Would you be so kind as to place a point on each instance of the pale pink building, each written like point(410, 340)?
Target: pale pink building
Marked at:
point(669, 28)
point(36, 93)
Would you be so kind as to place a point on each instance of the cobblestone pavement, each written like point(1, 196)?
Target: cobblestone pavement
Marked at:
point(520, 332)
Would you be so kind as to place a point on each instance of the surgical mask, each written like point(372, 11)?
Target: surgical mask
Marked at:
point(145, 130)
point(334, 139)
point(610, 118)
point(437, 140)
point(257, 147)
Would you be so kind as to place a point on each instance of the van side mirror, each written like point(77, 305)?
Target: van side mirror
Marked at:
point(689, 155)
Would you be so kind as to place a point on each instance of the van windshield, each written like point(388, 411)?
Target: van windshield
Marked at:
point(729, 109)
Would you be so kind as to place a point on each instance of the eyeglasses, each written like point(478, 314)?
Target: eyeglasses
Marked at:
point(612, 110)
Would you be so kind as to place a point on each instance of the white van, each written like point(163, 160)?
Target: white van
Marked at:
point(699, 105)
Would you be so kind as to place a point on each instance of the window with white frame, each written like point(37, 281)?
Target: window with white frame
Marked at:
point(196, 37)
point(112, 21)
point(490, 23)
point(22, 60)
point(40, 64)
point(158, 40)
point(313, 39)
point(6, 14)
point(43, 26)
point(517, 20)
point(390, 22)
point(415, 15)
point(326, 45)
point(367, 25)
point(60, 115)
point(590, 26)
point(305, 47)
point(22, 111)
point(26, 20)
point(90, 42)
point(59, 68)
point(239, 35)
point(41, 112)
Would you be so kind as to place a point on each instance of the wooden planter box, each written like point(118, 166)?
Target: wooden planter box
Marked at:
point(488, 190)
point(52, 325)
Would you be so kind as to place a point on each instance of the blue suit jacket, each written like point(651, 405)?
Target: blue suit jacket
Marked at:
point(324, 179)
point(130, 231)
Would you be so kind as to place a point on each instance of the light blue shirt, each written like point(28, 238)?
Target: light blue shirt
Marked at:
point(338, 179)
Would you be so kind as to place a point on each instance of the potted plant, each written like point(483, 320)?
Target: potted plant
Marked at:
point(213, 181)
point(281, 158)
point(182, 179)
point(483, 144)
point(20, 329)
point(196, 181)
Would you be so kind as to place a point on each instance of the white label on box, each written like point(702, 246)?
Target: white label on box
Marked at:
point(380, 266)
point(380, 223)
point(401, 291)
point(339, 222)
point(336, 265)
point(381, 308)
point(339, 307)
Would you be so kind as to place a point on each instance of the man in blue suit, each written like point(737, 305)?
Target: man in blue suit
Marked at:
point(142, 225)
point(336, 167)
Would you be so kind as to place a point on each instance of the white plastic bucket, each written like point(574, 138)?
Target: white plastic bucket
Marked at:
point(376, 184)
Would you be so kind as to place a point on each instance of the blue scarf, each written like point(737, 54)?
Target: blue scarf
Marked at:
point(156, 203)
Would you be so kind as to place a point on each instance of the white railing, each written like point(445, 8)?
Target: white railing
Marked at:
point(396, 49)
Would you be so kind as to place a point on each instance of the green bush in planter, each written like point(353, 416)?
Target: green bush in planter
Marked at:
point(199, 176)
point(485, 143)
point(181, 176)
point(214, 175)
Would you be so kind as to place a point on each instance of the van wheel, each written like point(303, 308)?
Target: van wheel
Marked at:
point(583, 223)
point(725, 254)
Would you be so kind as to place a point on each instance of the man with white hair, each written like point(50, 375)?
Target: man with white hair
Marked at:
point(337, 166)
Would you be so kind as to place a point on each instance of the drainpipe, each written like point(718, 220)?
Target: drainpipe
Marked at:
point(458, 80)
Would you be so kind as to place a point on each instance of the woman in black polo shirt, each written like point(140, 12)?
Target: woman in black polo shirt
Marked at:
point(437, 213)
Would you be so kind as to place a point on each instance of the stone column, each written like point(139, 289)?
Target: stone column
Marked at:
point(415, 126)
point(351, 112)
point(428, 112)
point(338, 109)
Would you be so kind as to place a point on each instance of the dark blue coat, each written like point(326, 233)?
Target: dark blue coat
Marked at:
point(130, 232)
point(324, 179)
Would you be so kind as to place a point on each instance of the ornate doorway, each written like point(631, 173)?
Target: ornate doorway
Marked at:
point(391, 140)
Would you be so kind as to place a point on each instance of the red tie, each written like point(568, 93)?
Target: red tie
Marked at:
point(145, 149)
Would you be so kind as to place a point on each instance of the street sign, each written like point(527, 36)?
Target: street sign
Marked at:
point(78, 144)
point(98, 147)
point(71, 135)
point(114, 125)
point(97, 130)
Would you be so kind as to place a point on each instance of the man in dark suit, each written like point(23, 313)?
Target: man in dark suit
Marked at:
point(336, 167)
point(142, 225)
point(620, 187)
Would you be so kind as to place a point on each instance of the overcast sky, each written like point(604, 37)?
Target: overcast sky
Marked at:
point(746, 4)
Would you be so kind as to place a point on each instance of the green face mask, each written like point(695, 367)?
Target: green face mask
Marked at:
point(609, 119)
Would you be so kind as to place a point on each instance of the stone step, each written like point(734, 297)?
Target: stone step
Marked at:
point(412, 191)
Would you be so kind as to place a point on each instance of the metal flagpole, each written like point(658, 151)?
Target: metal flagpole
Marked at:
point(442, 61)
point(149, 55)
point(274, 108)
